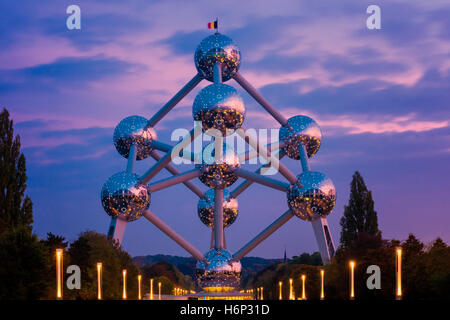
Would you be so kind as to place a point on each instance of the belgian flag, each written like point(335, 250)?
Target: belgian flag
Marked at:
point(212, 25)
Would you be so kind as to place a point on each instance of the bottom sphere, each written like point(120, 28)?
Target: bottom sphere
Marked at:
point(218, 270)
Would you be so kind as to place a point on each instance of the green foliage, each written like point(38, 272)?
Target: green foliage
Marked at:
point(24, 267)
point(305, 258)
point(16, 209)
point(359, 214)
point(92, 247)
point(169, 272)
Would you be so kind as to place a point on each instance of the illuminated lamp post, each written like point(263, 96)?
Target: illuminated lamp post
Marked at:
point(139, 287)
point(99, 281)
point(398, 274)
point(303, 287)
point(151, 289)
point(159, 290)
point(352, 279)
point(322, 291)
point(124, 282)
point(280, 284)
point(291, 290)
point(59, 274)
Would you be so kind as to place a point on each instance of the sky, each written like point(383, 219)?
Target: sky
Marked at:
point(381, 97)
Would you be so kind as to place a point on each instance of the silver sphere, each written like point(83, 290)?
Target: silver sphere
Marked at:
point(218, 173)
point(304, 130)
point(219, 270)
point(219, 106)
point(317, 197)
point(133, 130)
point(205, 208)
point(124, 195)
point(217, 48)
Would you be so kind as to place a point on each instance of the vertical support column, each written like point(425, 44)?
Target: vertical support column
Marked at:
point(217, 73)
point(117, 229)
point(323, 238)
point(218, 219)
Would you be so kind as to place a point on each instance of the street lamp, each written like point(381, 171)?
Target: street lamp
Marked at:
point(99, 280)
point(352, 279)
point(59, 273)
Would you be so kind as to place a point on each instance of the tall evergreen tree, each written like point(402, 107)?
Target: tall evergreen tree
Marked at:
point(15, 207)
point(359, 215)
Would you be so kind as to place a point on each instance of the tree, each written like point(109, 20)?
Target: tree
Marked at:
point(24, 266)
point(92, 247)
point(16, 209)
point(359, 215)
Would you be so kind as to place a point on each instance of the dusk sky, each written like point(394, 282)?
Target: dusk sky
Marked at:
point(381, 97)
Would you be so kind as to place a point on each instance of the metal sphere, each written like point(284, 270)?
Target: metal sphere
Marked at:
point(205, 208)
point(134, 130)
point(304, 130)
point(124, 195)
point(218, 172)
point(317, 197)
point(217, 48)
point(219, 106)
point(218, 270)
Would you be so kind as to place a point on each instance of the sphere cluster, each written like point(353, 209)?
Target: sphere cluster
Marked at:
point(205, 208)
point(134, 130)
point(304, 130)
point(123, 195)
point(218, 172)
point(219, 106)
point(313, 195)
point(217, 48)
point(218, 270)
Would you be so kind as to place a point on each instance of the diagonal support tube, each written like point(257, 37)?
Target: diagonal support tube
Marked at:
point(260, 99)
point(262, 150)
point(174, 171)
point(255, 177)
point(179, 178)
point(247, 183)
point(164, 147)
point(263, 235)
point(158, 166)
point(173, 235)
point(173, 102)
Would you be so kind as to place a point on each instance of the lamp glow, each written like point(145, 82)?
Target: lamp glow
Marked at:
point(280, 284)
point(151, 289)
point(352, 279)
point(159, 290)
point(262, 293)
point(398, 274)
point(291, 290)
point(99, 281)
point(303, 287)
point(322, 291)
point(59, 273)
point(139, 287)
point(124, 277)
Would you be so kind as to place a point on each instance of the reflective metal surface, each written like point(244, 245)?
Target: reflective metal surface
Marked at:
point(218, 270)
point(132, 130)
point(124, 195)
point(218, 172)
point(304, 130)
point(217, 48)
point(317, 197)
point(205, 208)
point(219, 106)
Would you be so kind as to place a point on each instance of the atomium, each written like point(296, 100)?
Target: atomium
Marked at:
point(219, 106)
point(217, 48)
point(218, 172)
point(218, 270)
point(315, 197)
point(134, 130)
point(311, 196)
point(205, 208)
point(303, 130)
point(123, 195)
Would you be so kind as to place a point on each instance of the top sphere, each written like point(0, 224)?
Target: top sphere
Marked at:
point(131, 130)
point(217, 48)
point(304, 130)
